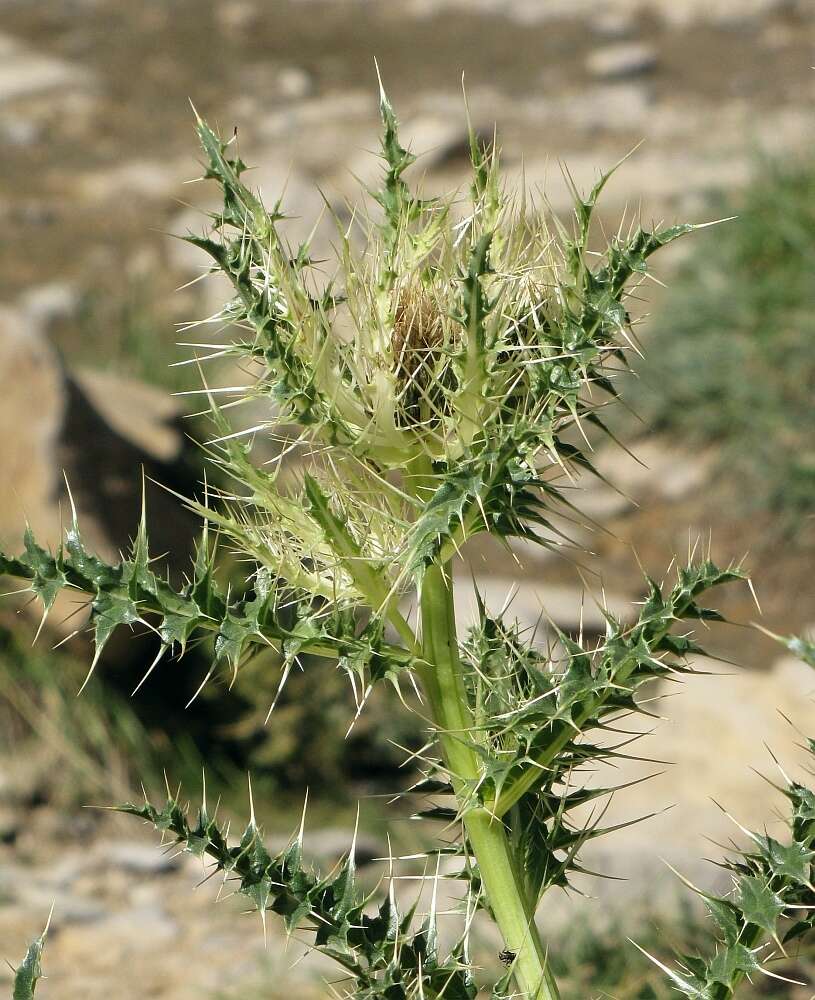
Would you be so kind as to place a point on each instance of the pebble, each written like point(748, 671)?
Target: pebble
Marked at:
point(604, 106)
point(9, 825)
point(139, 412)
point(435, 140)
point(107, 942)
point(147, 179)
point(74, 910)
point(621, 61)
point(138, 859)
point(238, 15)
point(531, 602)
point(613, 23)
point(49, 304)
point(24, 72)
point(20, 132)
point(326, 846)
point(295, 83)
point(656, 467)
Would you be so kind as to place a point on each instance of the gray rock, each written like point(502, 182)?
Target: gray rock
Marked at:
point(435, 139)
point(343, 120)
point(236, 15)
point(69, 910)
point(155, 180)
point(520, 11)
point(49, 304)
point(601, 107)
point(138, 929)
point(97, 429)
point(41, 888)
point(533, 603)
point(29, 370)
point(675, 12)
point(19, 131)
point(613, 23)
point(24, 72)
point(69, 869)
point(658, 467)
point(733, 14)
point(78, 910)
point(10, 824)
point(660, 176)
point(621, 61)
point(328, 845)
point(713, 739)
point(294, 83)
point(147, 416)
point(136, 858)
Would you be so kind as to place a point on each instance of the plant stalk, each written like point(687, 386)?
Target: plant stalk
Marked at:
point(444, 684)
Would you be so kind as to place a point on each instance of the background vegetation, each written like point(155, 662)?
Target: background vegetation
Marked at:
point(729, 359)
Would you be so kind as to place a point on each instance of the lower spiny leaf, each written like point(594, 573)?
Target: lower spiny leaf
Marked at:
point(384, 954)
point(771, 904)
point(272, 614)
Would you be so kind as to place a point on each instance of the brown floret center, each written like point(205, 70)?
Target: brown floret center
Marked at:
point(417, 337)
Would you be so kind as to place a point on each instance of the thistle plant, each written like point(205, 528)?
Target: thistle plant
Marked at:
point(443, 383)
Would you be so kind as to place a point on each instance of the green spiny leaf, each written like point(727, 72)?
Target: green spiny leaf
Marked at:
point(759, 904)
point(29, 971)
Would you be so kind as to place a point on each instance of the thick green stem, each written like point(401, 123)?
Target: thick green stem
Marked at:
point(444, 685)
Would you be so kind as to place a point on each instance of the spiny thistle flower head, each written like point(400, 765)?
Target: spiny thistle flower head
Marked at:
point(430, 392)
point(432, 381)
point(432, 388)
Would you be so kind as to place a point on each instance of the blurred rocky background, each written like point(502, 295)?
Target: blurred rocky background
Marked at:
point(97, 140)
